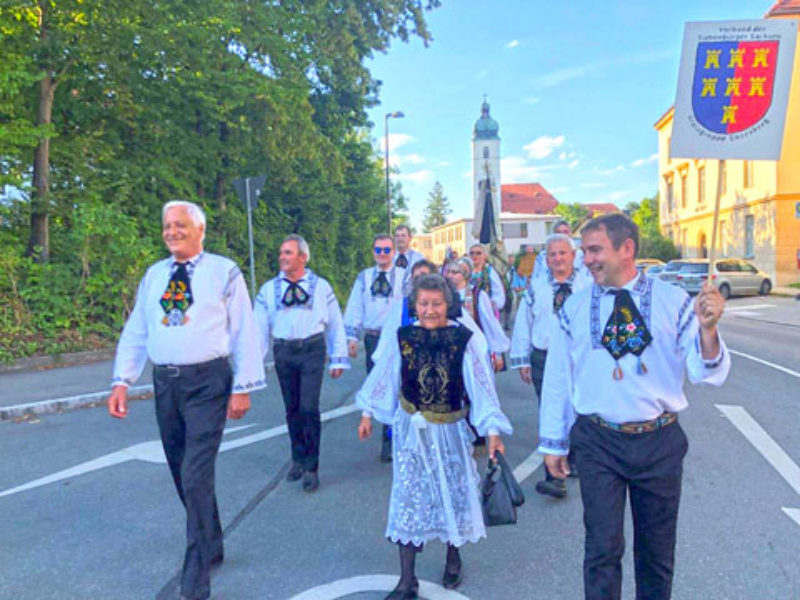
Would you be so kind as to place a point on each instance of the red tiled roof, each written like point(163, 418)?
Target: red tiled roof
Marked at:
point(784, 7)
point(601, 208)
point(527, 198)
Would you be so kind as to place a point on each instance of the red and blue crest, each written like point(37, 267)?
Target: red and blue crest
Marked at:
point(733, 83)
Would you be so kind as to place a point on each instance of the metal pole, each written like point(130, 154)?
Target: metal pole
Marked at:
point(388, 193)
point(250, 239)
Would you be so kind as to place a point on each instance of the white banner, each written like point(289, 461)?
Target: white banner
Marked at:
point(733, 88)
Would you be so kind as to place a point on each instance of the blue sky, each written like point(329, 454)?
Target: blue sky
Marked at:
point(575, 87)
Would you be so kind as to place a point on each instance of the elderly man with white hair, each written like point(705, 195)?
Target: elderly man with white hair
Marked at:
point(537, 315)
point(194, 321)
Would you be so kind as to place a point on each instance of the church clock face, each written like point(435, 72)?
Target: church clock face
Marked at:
point(486, 152)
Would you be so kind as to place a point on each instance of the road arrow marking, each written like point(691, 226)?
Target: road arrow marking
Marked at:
point(151, 452)
point(767, 447)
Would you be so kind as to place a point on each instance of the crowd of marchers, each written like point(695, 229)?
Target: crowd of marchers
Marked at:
point(605, 348)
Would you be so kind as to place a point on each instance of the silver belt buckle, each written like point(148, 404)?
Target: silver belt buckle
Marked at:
point(173, 371)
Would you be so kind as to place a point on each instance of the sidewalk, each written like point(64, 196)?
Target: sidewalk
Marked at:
point(786, 291)
point(58, 389)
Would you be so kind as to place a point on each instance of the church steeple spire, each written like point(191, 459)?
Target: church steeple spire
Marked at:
point(486, 128)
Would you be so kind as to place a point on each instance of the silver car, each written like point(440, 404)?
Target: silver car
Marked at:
point(670, 271)
point(732, 276)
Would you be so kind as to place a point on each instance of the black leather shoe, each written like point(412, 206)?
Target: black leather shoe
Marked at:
point(217, 560)
point(398, 593)
point(451, 581)
point(310, 481)
point(386, 451)
point(295, 473)
point(552, 487)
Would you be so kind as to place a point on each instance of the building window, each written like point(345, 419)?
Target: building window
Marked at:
point(458, 234)
point(684, 190)
point(670, 195)
point(723, 176)
point(515, 230)
point(748, 173)
point(701, 186)
point(749, 236)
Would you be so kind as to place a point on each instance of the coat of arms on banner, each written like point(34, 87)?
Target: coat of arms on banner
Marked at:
point(733, 83)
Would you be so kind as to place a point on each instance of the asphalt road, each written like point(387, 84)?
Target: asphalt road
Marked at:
point(113, 527)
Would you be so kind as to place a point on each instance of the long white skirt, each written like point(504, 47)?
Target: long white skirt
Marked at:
point(435, 488)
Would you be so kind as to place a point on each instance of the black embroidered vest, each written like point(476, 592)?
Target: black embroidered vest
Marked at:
point(432, 378)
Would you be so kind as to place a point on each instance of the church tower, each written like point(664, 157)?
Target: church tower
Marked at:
point(485, 168)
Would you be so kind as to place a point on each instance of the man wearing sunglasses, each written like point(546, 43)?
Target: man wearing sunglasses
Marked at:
point(374, 292)
point(299, 309)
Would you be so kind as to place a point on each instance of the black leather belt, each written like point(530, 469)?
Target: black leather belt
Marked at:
point(299, 344)
point(189, 370)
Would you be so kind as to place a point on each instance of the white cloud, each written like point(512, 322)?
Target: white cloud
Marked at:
point(396, 140)
point(639, 162)
point(593, 185)
point(611, 171)
point(543, 146)
point(418, 177)
point(512, 44)
point(407, 159)
point(481, 75)
point(574, 164)
point(531, 100)
point(565, 74)
point(558, 190)
point(515, 169)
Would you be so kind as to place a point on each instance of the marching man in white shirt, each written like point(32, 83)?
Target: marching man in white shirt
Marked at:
point(299, 310)
point(405, 256)
point(536, 317)
point(194, 321)
point(375, 291)
point(618, 362)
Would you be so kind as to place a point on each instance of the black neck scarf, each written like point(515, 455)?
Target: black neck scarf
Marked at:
point(561, 292)
point(381, 286)
point(294, 294)
point(177, 298)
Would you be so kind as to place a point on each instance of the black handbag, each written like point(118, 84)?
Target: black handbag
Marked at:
point(500, 494)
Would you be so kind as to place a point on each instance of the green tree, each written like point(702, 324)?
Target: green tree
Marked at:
point(651, 243)
point(573, 213)
point(437, 210)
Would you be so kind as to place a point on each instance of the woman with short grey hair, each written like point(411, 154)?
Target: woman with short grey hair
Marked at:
point(419, 385)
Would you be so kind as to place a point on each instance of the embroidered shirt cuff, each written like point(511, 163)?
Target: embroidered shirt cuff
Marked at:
point(339, 362)
point(250, 386)
point(551, 446)
point(710, 363)
point(352, 332)
point(492, 431)
point(518, 362)
point(366, 413)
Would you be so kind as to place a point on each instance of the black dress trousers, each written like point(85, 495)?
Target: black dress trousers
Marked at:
point(300, 365)
point(649, 468)
point(191, 408)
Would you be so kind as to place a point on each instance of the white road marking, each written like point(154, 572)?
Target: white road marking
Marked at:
point(374, 583)
point(151, 452)
point(745, 313)
point(765, 362)
point(767, 447)
point(738, 307)
point(527, 467)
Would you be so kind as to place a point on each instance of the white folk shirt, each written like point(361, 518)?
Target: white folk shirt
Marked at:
point(497, 292)
point(536, 318)
point(219, 324)
point(320, 314)
point(490, 327)
point(366, 311)
point(578, 373)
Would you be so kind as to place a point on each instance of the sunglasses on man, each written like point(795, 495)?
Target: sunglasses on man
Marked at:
point(382, 249)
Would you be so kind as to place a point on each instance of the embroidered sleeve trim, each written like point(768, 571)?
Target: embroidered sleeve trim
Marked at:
point(240, 388)
point(714, 362)
point(352, 331)
point(519, 362)
point(554, 444)
point(339, 361)
point(232, 275)
point(594, 317)
point(121, 380)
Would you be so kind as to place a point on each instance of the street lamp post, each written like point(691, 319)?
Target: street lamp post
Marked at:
point(392, 115)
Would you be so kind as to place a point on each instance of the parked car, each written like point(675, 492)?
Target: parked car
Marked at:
point(645, 264)
point(732, 276)
point(654, 271)
point(670, 271)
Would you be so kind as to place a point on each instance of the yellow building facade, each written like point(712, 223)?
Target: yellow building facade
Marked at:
point(759, 200)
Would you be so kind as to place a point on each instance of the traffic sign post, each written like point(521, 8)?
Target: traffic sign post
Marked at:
point(249, 191)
